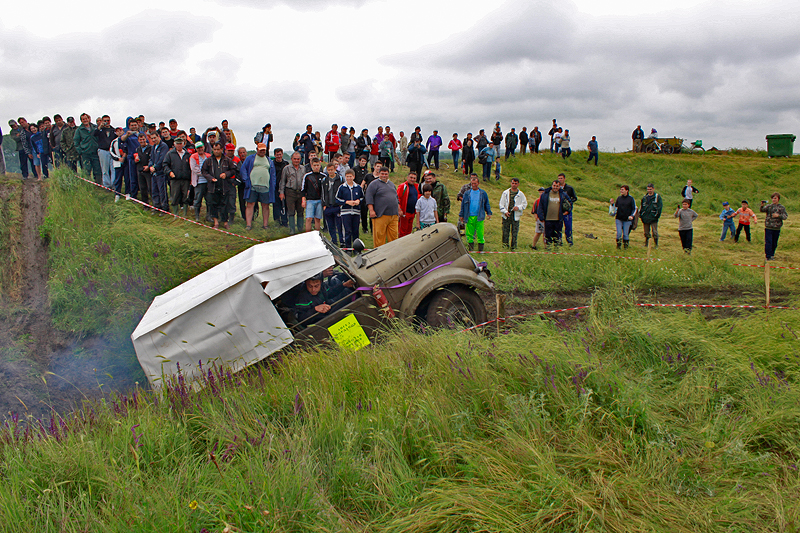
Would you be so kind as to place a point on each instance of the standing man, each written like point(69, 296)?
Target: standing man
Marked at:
point(219, 172)
point(332, 142)
point(260, 178)
point(486, 157)
point(433, 144)
point(105, 134)
point(86, 145)
point(55, 139)
point(68, 150)
point(403, 145)
point(290, 192)
point(18, 136)
point(773, 222)
point(535, 139)
point(382, 203)
point(511, 143)
point(649, 213)
point(523, 140)
point(593, 153)
point(552, 134)
point(407, 195)
point(440, 195)
point(416, 156)
point(554, 205)
point(570, 192)
point(176, 166)
point(307, 141)
point(389, 135)
point(158, 180)
point(481, 141)
point(475, 209)
point(279, 207)
point(132, 144)
point(512, 203)
point(497, 139)
point(688, 192)
point(638, 139)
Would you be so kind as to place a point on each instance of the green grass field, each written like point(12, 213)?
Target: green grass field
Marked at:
point(617, 418)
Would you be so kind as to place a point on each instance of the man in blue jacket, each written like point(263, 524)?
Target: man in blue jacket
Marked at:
point(158, 182)
point(554, 205)
point(475, 208)
point(259, 177)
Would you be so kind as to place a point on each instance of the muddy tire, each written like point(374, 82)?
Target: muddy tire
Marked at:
point(455, 307)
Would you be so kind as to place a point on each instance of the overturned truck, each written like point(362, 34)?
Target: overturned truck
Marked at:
point(240, 311)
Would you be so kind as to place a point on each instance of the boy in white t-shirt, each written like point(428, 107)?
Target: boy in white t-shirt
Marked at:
point(427, 213)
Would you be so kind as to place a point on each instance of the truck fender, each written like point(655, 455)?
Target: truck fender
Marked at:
point(439, 278)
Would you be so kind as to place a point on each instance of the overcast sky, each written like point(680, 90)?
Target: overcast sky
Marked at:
point(724, 72)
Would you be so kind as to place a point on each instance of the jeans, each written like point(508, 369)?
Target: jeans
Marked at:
point(686, 238)
point(552, 143)
point(133, 174)
point(333, 221)
point(487, 171)
point(510, 152)
point(568, 227)
point(771, 241)
point(158, 191)
point(350, 225)
point(623, 228)
point(144, 185)
point(456, 154)
point(200, 194)
point(23, 163)
point(352, 160)
point(552, 232)
point(739, 231)
point(592, 155)
point(433, 154)
point(510, 225)
point(566, 152)
point(106, 167)
point(119, 175)
point(728, 225)
point(45, 162)
point(90, 164)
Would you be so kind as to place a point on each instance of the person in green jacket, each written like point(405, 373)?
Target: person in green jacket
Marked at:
point(649, 213)
point(68, 150)
point(86, 145)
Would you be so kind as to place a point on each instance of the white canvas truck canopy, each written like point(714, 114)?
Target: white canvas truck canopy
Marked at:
point(225, 315)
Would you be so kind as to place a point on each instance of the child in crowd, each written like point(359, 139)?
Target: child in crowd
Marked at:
point(350, 197)
point(330, 205)
point(37, 147)
point(727, 221)
point(686, 216)
point(311, 190)
point(427, 213)
point(746, 216)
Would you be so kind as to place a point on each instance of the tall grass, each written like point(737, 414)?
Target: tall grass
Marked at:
point(629, 421)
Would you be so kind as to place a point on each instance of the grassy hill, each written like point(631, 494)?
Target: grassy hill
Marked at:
point(617, 418)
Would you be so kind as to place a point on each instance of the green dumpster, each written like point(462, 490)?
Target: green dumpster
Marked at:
point(780, 145)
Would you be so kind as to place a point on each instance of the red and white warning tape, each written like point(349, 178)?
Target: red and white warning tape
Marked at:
point(712, 306)
point(170, 214)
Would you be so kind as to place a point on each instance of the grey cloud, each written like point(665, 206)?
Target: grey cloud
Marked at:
point(299, 5)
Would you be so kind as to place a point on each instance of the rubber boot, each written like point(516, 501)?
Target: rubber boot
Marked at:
point(480, 247)
point(471, 246)
point(292, 228)
point(655, 241)
point(619, 244)
point(625, 241)
point(185, 211)
point(646, 241)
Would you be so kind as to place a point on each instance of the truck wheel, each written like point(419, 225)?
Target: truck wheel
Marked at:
point(455, 307)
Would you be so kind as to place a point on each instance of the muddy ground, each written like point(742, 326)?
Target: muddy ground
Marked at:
point(43, 369)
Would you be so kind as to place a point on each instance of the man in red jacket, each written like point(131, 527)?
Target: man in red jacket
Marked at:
point(407, 195)
point(332, 142)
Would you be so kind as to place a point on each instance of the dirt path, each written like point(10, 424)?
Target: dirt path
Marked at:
point(43, 369)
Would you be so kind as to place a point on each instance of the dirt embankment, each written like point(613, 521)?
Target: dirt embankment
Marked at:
point(42, 369)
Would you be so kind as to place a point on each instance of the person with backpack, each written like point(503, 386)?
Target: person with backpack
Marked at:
point(649, 213)
point(486, 158)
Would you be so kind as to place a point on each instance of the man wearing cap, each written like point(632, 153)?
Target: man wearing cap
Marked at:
point(433, 144)
point(86, 145)
point(439, 194)
point(219, 171)
point(211, 139)
point(259, 177)
point(176, 167)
